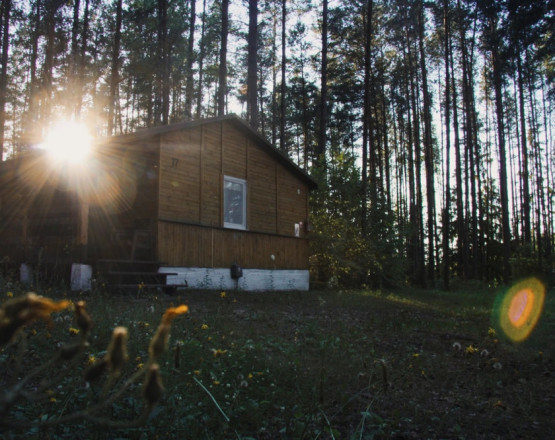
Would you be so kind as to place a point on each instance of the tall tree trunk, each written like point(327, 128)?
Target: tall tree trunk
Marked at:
point(503, 181)
point(114, 75)
point(428, 146)
point(73, 71)
point(189, 63)
point(524, 173)
point(367, 114)
point(274, 122)
point(252, 66)
point(83, 57)
point(201, 61)
point(386, 147)
point(30, 126)
point(222, 73)
point(322, 138)
point(48, 66)
point(540, 184)
point(5, 26)
point(282, 145)
point(447, 208)
point(162, 76)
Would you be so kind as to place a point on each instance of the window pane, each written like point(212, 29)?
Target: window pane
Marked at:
point(234, 203)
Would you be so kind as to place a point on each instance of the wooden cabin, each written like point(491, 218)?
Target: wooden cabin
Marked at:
point(196, 198)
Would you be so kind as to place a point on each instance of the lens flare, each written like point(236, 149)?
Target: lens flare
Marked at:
point(518, 311)
point(68, 141)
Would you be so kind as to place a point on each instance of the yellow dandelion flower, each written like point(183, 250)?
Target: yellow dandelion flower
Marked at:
point(204, 327)
point(250, 376)
point(415, 355)
point(216, 382)
point(140, 366)
point(73, 331)
point(91, 360)
point(52, 400)
point(471, 349)
point(491, 332)
point(9, 294)
point(222, 294)
point(196, 372)
point(218, 352)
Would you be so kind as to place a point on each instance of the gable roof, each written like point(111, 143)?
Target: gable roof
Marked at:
point(237, 123)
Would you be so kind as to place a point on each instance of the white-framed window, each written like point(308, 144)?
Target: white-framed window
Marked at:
point(235, 203)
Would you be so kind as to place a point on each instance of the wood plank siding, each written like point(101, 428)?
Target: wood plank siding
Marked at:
point(200, 246)
point(193, 164)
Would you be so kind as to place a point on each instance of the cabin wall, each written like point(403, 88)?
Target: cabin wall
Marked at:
point(123, 205)
point(193, 164)
point(13, 205)
point(41, 216)
point(199, 246)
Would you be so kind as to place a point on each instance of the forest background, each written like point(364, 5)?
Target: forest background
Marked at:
point(428, 125)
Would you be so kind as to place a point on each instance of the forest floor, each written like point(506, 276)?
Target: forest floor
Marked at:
point(305, 365)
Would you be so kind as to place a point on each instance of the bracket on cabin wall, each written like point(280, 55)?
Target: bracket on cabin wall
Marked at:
point(236, 271)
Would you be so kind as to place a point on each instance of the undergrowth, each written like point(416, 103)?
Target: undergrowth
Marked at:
point(306, 365)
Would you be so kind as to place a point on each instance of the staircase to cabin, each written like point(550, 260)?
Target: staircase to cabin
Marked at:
point(134, 276)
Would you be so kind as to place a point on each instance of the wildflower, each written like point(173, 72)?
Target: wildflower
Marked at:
point(204, 327)
point(9, 294)
point(176, 356)
point(499, 404)
point(96, 370)
point(82, 318)
point(172, 312)
point(117, 350)
point(73, 331)
point(153, 388)
point(196, 372)
point(457, 346)
point(69, 351)
point(159, 342)
point(471, 349)
point(219, 352)
point(497, 366)
point(140, 366)
point(91, 360)
point(484, 353)
point(244, 384)
point(250, 376)
point(52, 400)
point(222, 295)
point(491, 332)
point(216, 382)
point(415, 355)
point(23, 310)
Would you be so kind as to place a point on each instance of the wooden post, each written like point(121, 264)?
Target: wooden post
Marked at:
point(83, 232)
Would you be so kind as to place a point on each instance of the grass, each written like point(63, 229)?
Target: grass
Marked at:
point(308, 365)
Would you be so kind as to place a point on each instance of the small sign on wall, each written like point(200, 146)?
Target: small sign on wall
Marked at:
point(297, 230)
